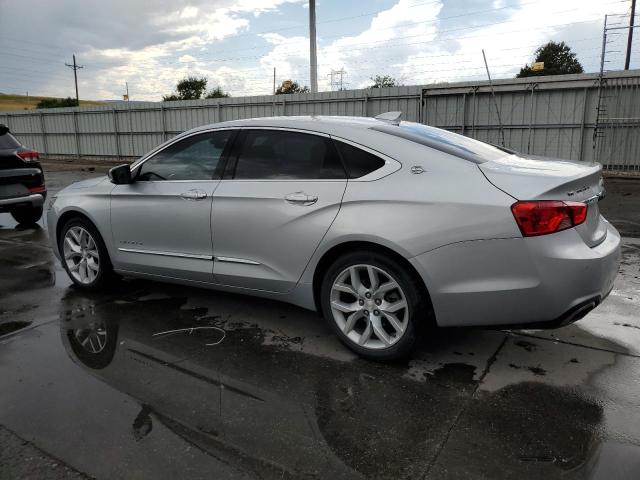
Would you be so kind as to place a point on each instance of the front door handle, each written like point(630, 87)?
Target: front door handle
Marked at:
point(194, 195)
point(301, 198)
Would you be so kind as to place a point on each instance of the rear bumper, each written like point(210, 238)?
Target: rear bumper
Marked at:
point(33, 200)
point(545, 281)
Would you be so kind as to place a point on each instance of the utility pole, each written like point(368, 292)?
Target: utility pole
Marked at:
point(75, 67)
point(313, 60)
point(274, 80)
point(630, 37)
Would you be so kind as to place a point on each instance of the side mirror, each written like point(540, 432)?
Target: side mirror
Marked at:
point(120, 175)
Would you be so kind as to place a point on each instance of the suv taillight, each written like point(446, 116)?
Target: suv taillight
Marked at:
point(542, 217)
point(29, 155)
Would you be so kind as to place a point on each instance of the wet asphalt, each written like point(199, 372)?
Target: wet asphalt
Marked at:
point(270, 393)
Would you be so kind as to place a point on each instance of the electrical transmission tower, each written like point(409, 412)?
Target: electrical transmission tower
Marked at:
point(612, 115)
point(75, 67)
point(336, 79)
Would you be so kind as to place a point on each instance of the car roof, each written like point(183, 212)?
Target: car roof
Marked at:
point(316, 123)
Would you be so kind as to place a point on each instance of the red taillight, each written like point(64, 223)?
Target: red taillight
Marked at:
point(29, 155)
point(37, 189)
point(542, 217)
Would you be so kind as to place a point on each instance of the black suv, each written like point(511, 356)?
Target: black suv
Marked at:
point(22, 189)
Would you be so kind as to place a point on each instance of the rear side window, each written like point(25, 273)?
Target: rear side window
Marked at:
point(358, 162)
point(8, 141)
point(278, 154)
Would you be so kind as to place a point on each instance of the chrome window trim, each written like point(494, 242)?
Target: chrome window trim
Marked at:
point(286, 129)
point(390, 166)
point(173, 141)
point(166, 254)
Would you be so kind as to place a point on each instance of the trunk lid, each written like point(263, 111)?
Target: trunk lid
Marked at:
point(538, 178)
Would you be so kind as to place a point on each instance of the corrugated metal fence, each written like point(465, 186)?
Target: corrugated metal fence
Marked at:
point(549, 116)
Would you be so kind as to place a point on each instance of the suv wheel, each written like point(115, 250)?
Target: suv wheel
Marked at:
point(373, 304)
point(27, 215)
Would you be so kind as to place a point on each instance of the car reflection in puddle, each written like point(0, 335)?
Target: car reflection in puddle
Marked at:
point(272, 410)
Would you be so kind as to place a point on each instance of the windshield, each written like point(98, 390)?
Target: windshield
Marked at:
point(445, 141)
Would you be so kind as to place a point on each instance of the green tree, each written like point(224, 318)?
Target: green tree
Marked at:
point(382, 81)
point(189, 88)
point(217, 93)
point(558, 60)
point(289, 86)
point(57, 102)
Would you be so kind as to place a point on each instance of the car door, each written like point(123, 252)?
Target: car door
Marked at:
point(280, 193)
point(161, 223)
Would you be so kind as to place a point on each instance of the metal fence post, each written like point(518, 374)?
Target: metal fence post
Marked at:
point(464, 112)
point(532, 111)
point(117, 133)
point(76, 133)
point(365, 106)
point(582, 124)
point(44, 135)
point(474, 90)
point(164, 123)
point(132, 153)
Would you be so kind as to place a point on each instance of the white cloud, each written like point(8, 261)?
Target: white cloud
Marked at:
point(415, 41)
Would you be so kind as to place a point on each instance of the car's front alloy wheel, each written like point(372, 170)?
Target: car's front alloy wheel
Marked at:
point(81, 255)
point(84, 255)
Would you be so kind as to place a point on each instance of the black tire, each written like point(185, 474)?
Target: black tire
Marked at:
point(27, 215)
point(419, 306)
point(105, 275)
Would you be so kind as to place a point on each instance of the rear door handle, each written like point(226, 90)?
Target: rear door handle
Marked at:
point(301, 198)
point(194, 195)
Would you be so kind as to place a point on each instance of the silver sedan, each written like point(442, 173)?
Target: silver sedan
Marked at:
point(383, 226)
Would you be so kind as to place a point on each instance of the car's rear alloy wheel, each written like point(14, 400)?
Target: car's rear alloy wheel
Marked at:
point(369, 306)
point(81, 255)
point(372, 303)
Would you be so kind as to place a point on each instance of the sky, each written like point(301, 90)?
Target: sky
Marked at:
point(236, 44)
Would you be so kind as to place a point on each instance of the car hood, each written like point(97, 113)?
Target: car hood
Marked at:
point(88, 183)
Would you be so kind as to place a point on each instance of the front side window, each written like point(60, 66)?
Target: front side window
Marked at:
point(283, 155)
point(194, 158)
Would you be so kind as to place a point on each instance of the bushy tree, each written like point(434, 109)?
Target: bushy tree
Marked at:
point(382, 81)
point(217, 93)
point(57, 102)
point(189, 88)
point(290, 86)
point(558, 60)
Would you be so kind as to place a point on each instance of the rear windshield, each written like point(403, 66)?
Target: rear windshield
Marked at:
point(8, 141)
point(445, 141)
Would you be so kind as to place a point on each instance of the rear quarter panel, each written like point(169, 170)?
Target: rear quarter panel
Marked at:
point(414, 213)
